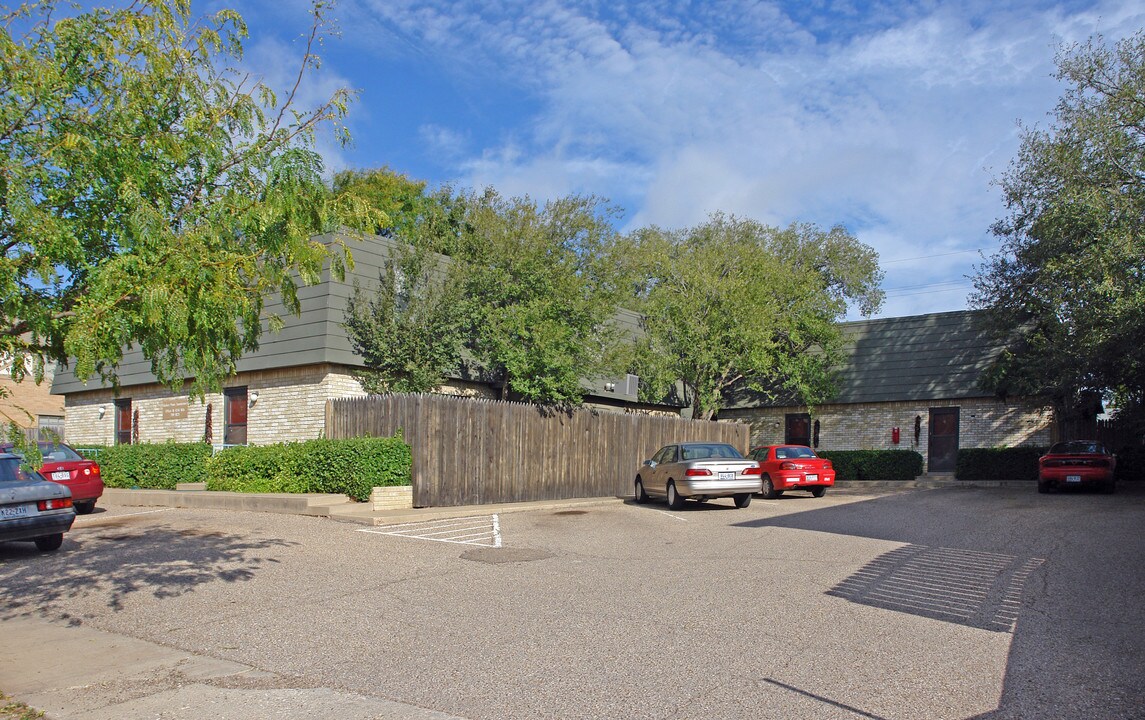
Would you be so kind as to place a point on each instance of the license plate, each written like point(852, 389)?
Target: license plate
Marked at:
point(61, 475)
point(15, 511)
point(1073, 478)
point(727, 476)
point(812, 478)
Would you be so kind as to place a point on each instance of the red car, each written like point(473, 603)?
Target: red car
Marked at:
point(65, 466)
point(793, 467)
point(1077, 463)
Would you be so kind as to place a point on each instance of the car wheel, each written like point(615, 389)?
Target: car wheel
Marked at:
point(675, 502)
point(641, 496)
point(768, 491)
point(818, 492)
point(743, 500)
point(47, 543)
point(85, 507)
point(1043, 487)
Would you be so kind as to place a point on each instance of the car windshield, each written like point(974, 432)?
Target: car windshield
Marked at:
point(702, 452)
point(58, 453)
point(11, 472)
point(791, 453)
point(1074, 447)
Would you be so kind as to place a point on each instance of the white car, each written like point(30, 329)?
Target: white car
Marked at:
point(700, 471)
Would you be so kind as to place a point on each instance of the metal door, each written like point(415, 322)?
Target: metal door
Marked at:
point(942, 440)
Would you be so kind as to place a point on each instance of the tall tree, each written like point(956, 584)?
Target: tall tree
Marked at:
point(150, 193)
point(539, 294)
point(408, 330)
point(733, 303)
point(1066, 288)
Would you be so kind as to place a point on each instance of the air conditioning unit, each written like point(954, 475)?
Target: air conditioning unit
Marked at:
point(631, 385)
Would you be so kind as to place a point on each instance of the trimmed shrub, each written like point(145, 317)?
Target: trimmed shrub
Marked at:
point(351, 467)
point(1016, 463)
point(156, 466)
point(874, 464)
point(1131, 463)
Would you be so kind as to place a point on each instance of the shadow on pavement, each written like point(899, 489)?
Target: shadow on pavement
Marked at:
point(1061, 572)
point(115, 557)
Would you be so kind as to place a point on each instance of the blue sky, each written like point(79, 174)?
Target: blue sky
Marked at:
point(891, 118)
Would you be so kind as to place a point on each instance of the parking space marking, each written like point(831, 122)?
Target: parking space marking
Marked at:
point(94, 519)
point(483, 530)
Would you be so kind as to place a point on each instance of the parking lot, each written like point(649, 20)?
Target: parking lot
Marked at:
point(954, 603)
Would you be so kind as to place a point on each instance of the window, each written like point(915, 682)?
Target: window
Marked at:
point(234, 416)
point(123, 421)
point(51, 427)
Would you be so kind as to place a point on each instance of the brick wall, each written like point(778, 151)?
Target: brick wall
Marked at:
point(291, 406)
point(983, 422)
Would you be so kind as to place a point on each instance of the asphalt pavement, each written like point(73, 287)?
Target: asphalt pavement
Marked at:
point(982, 603)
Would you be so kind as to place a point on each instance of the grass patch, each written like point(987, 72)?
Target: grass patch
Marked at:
point(14, 710)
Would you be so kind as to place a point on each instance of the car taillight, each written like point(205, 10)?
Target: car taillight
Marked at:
point(696, 472)
point(87, 471)
point(95, 469)
point(827, 465)
point(757, 470)
point(789, 466)
point(54, 504)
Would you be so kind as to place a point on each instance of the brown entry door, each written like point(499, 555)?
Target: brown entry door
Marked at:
point(797, 429)
point(942, 442)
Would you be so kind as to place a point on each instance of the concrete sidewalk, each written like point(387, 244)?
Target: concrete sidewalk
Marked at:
point(342, 508)
point(76, 672)
point(335, 507)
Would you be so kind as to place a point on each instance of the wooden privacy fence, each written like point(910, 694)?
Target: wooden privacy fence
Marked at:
point(468, 451)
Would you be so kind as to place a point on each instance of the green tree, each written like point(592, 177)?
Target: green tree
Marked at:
point(408, 330)
point(1066, 288)
point(733, 304)
point(539, 294)
point(400, 201)
point(150, 193)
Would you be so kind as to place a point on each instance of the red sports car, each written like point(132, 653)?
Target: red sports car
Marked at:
point(1077, 463)
point(793, 467)
point(65, 466)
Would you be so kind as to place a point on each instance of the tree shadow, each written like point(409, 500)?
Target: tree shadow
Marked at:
point(117, 558)
point(1060, 573)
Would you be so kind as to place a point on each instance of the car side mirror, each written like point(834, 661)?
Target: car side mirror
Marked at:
point(650, 463)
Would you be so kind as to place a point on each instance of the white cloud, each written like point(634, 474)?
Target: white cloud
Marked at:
point(892, 121)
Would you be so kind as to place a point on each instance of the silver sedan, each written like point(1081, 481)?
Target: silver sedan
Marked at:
point(698, 470)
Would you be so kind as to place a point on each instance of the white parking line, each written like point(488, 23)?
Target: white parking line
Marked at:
point(483, 530)
point(102, 516)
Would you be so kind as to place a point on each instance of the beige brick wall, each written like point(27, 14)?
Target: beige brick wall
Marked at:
point(983, 422)
point(291, 406)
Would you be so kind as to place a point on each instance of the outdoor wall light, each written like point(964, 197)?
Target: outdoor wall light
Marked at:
point(102, 411)
point(253, 398)
point(610, 387)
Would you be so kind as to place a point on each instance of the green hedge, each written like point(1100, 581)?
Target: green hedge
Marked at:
point(1016, 463)
point(1131, 463)
point(156, 466)
point(350, 467)
point(874, 464)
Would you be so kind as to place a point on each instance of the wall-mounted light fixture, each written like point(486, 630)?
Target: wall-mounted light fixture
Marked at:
point(253, 398)
point(102, 411)
point(610, 386)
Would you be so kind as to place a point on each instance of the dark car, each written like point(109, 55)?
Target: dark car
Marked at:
point(1077, 463)
point(793, 467)
point(64, 465)
point(31, 508)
